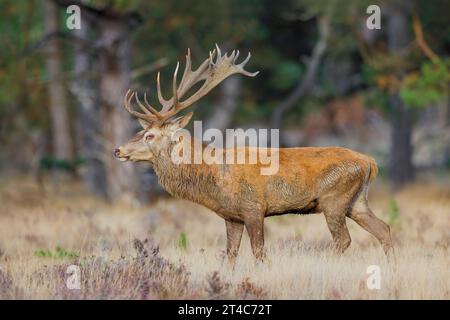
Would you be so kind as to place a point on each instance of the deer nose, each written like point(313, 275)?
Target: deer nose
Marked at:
point(116, 152)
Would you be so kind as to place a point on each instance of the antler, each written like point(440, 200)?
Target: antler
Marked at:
point(210, 71)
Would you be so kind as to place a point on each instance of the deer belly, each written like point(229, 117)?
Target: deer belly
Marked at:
point(311, 207)
point(282, 196)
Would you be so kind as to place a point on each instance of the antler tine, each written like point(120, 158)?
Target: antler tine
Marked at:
point(211, 57)
point(211, 61)
point(187, 68)
point(219, 53)
point(161, 99)
point(143, 108)
point(192, 77)
point(127, 99)
point(174, 87)
point(235, 57)
point(148, 109)
point(243, 63)
point(231, 57)
point(148, 105)
point(215, 69)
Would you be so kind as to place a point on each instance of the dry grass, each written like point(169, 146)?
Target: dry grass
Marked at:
point(102, 240)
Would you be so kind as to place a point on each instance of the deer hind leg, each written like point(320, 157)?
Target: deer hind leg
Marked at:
point(234, 235)
point(338, 228)
point(363, 216)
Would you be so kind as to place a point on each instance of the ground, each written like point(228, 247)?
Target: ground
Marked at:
point(175, 249)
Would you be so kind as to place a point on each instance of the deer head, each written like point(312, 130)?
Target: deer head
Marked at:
point(159, 126)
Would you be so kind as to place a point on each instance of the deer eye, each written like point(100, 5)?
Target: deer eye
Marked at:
point(149, 137)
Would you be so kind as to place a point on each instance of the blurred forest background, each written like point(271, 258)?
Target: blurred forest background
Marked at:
point(325, 79)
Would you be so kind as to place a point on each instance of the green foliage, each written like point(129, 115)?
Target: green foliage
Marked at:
point(430, 85)
point(182, 241)
point(277, 33)
point(117, 5)
point(286, 75)
point(378, 99)
point(20, 24)
point(43, 253)
point(393, 213)
point(49, 163)
point(59, 253)
point(382, 171)
point(369, 74)
point(256, 112)
point(172, 26)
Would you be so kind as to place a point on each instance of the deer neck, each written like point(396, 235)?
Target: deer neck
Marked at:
point(195, 182)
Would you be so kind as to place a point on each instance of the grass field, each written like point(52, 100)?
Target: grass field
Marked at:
point(175, 249)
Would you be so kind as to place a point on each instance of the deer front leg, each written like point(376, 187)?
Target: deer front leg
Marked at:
point(234, 235)
point(255, 229)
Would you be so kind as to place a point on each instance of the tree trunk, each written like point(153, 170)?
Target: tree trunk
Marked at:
point(401, 168)
point(89, 121)
point(62, 143)
point(227, 104)
point(121, 177)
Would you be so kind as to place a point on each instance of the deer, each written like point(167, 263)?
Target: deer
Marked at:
point(310, 180)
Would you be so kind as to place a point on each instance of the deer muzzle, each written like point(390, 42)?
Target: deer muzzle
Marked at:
point(119, 155)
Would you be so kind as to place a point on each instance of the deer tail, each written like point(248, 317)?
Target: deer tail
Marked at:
point(373, 169)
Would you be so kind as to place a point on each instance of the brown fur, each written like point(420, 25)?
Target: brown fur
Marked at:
point(333, 181)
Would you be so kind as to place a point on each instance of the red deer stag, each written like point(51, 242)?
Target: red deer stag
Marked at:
point(332, 180)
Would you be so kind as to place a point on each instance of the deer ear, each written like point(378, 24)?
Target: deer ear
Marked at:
point(144, 124)
point(182, 121)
